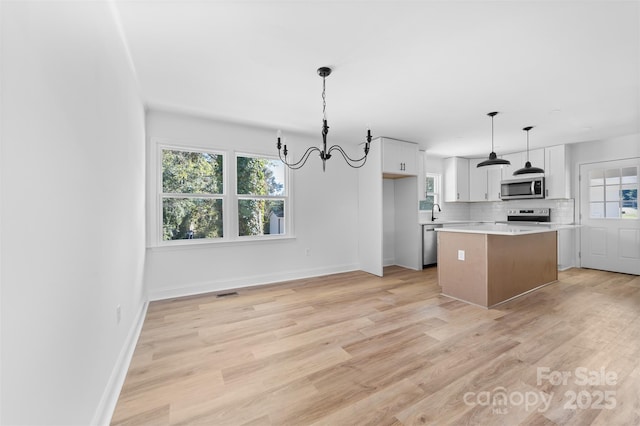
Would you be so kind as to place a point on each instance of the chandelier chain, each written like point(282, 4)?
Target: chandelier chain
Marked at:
point(324, 100)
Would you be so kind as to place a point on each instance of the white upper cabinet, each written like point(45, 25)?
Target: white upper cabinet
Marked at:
point(456, 179)
point(494, 176)
point(517, 160)
point(556, 172)
point(484, 182)
point(477, 181)
point(536, 158)
point(399, 158)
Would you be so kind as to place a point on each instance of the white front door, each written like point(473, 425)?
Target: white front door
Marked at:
point(610, 232)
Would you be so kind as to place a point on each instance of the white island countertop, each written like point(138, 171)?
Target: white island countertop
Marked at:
point(453, 222)
point(501, 229)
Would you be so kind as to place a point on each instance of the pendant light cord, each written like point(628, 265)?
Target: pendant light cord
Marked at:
point(492, 150)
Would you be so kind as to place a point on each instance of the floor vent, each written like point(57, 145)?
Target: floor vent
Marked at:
point(233, 293)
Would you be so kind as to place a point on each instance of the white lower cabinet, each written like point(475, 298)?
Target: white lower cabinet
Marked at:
point(566, 248)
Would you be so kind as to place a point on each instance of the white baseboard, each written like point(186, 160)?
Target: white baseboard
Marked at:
point(213, 286)
point(104, 411)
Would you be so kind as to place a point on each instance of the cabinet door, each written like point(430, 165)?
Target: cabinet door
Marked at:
point(556, 172)
point(477, 181)
point(390, 156)
point(399, 158)
point(410, 158)
point(566, 251)
point(456, 179)
point(494, 177)
point(536, 158)
point(517, 160)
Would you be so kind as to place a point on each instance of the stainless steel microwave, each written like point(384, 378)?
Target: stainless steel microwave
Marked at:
point(532, 187)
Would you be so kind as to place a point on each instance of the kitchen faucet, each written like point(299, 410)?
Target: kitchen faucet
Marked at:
point(439, 209)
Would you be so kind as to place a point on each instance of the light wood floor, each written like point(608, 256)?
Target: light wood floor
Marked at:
point(357, 349)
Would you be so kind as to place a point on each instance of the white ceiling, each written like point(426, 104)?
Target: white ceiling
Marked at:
point(423, 71)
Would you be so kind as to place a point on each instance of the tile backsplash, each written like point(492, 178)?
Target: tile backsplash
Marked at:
point(562, 211)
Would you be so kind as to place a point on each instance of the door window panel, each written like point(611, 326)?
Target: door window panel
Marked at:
point(596, 177)
point(613, 193)
point(630, 175)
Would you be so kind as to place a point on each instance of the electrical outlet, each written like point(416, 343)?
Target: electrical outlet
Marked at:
point(118, 314)
point(460, 254)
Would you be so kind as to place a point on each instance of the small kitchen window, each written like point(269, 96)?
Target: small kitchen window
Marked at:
point(433, 191)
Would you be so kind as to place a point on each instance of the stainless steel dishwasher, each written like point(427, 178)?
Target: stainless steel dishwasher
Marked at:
point(430, 244)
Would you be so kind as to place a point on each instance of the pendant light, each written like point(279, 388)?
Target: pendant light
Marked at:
point(527, 166)
point(493, 159)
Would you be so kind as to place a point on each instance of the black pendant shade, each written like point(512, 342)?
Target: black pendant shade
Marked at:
point(527, 169)
point(493, 159)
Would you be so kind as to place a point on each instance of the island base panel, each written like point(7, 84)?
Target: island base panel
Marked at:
point(495, 267)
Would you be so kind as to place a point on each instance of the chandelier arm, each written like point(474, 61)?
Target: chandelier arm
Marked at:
point(350, 161)
point(345, 155)
point(302, 161)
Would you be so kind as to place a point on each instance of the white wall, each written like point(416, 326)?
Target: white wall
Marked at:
point(72, 174)
point(388, 222)
point(325, 215)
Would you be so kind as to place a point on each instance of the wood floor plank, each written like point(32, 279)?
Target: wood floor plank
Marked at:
point(352, 349)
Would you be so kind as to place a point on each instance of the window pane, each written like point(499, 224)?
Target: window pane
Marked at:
point(629, 203)
point(596, 193)
point(630, 175)
point(260, 176)
point(612, 176)
point(191, 172)
point(596, 177)
point(426, 204)
point(191, 218)
point(260, 217)
point(612, 192)
point(613, 210)
point(597, 210)
point(431, 186)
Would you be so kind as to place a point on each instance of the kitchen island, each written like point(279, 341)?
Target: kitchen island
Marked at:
point(487, 264)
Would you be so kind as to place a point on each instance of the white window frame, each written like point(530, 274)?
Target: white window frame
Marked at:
point(285, 197)
point(605, 201)
point(437, 187)
point(229, 198)
point(161, 195)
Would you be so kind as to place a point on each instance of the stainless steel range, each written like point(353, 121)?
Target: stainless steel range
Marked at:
point(530, 215)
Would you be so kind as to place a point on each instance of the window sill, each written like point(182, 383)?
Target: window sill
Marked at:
point(206, 244)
